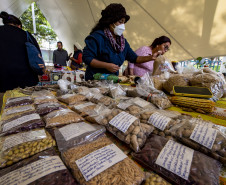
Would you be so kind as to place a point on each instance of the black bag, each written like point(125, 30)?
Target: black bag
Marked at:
point(34, 56)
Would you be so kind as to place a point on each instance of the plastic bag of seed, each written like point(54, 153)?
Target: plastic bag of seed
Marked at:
point(21, 123)
point(127, 128)
point(83, 107)
point(177, 163)
point(43, 168)
point(19, 146)
point(16, 111)
point(202, 136)
point(61, 117)
point(154, 179)
point(76, 134)
point(159, 121)
point(105, 100)
point(101, 162)
point(46, 108)
point(24, 100)
point(72, 98)
point(43, 96)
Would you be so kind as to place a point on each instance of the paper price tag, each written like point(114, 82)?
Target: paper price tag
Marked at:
point(99, 160)
point(159, 121)
point(176, 158)
point(123, 121)
point(140, 102)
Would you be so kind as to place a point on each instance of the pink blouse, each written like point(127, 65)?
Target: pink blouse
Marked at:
point(141, 69)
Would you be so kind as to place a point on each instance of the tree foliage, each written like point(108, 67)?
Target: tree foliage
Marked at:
point(43, 28)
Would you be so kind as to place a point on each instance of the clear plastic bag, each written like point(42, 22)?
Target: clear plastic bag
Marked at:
point(105, 100)
point(23, 145)
point(61, 117)
point(203, 136)
point(18, 101)
point(21, 123)
point(154, 179)
point(116, 91)
point(44, 164)
point(46, 108)
point(72, 98)
point(76, 134)
point(83, 107)
point(203, 170)
point(16, 111)
point(123, 172)
point(127, 128)
point(43, 96)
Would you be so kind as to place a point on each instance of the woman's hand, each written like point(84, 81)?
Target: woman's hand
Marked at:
point(156, 54)
point(112, 67)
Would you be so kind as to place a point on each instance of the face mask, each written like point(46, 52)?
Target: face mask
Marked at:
point(118, 30)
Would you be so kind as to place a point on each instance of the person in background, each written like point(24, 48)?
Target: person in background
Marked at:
point(60, 56)
point(159, 44)
point(76, 60)
point(15, 69)
point(106, 48)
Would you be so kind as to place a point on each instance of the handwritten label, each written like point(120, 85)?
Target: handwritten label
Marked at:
point(140, 102)
point(204, 135)
point(18, 109)
point(123, 121)
point(176, 158)
point(82, 106)
point(75, 130)
point(202, 122)
point(20, 138)
point(99, 160)
point(20, 121)
point(159, 121)
point(33, 171)
point(123, 105)
point(97, 96)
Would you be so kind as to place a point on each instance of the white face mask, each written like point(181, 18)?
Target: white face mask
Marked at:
point(118, 30)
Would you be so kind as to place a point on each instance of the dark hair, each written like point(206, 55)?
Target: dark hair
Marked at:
point(60, 42)
point(160, 40)
point(111, 14)
point(10, 19)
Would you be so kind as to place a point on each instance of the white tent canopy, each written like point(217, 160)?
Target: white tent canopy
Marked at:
point(196, 28)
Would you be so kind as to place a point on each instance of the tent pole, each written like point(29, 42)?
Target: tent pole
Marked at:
point(33, 17)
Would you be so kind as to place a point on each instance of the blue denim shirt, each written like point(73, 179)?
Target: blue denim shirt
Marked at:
point(99, 47)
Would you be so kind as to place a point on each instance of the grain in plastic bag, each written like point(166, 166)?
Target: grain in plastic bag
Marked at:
point(152, 178)
point(202, 136)
point(21, 123)
point(76, 134)
point(101, 162)
point(159, 121)
point(61, 117)
point(43, 96)
point(83, 107)
point(23, 145)
point(105, 100)
point(23, 100)
point(43, 168)
point(177, 163)
point(16, 111)
point(127, 128)
point(46, 108)
point(72, 98)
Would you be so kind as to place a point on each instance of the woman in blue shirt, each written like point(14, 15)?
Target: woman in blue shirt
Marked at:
point(106, 49)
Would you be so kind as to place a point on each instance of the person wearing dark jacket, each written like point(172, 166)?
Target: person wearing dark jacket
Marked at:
point(76, 60)
point(106, 48)
point(60, 56)
point(15, 70)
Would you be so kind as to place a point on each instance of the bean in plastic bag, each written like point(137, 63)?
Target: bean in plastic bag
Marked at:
point(39, 169)
point(46, 108)
point(24, 100)
point(82, 108)
point(23, 145)
point(125, 171)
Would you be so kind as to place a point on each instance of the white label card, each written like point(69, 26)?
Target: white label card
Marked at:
point(140, 102)
point(123, 105)
point(20, 138)
point(99, 160)
point(204, 135)
point(75, 130)
point(7, 126)
point(176, 158)
point(159, 121)
point(82, 106)
point(33, 171)
point(123, 121)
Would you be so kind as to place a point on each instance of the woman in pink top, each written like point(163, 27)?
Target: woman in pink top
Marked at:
point(159, 44)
